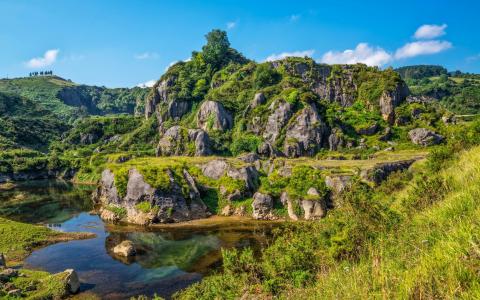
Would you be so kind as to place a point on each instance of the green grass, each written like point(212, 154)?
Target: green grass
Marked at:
point(414, 237)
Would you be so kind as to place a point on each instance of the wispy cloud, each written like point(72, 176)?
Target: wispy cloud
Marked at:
point(473, 58)
point(363, 53)
point(430, 31)
point(422, 48)
point(47, 59)
point(231, 25)
point(146, 55)
point(282, 55)
point(147, 84)
point(294, 18)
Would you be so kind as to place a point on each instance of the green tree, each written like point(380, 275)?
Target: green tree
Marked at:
point(215, 52)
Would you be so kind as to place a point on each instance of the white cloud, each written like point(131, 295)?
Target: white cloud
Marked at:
point(473, 58)
point(231, 25)
point(171, 64)
point(48, 58)
point(146, 55)
point(430, 31)
point(283, 55)
point(147, 84)
point(294, 18)
point(363, 53)
point(422, 48)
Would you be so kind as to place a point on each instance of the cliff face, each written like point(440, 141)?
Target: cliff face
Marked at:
point(283, 104)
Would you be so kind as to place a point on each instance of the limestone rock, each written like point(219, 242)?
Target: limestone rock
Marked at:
point(335, 139)
point(71, 280)
point(286, 201)
point(304, 135)
point(424, 137)
point(314, 209)
point(213, 116)
point(215, 168)
point(125, 248)
point(337, 183)
point(109, 216)
point(7, 274)
point(262, 206)
point(248, 174)
point(172, 142)
point(282, 111)
point(177, 109)
point(202, 142)
point(381, 171)
point(106, 192)
point(391, 99)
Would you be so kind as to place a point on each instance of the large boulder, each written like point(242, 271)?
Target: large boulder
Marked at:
point(71, 281)
point(125, 249)
point(305, 134)
point(336, 140)
point(262, 206)
point(286, 201)
point(282, 111)
point(381, 171)
point(176, 139)
point(160, 95)
point(106, 192)
point(213, 116)
point(390, 99)
point(215, 168)
point(424, 137)
point(172, 142)
point(314, 209)
point(177, 109)
point(202, 142)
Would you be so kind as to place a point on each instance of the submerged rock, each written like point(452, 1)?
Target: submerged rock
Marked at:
point(125, 249)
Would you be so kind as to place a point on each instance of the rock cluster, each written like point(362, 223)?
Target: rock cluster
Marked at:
point(167, 206)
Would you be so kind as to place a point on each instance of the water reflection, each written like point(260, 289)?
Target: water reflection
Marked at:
point(168, 258)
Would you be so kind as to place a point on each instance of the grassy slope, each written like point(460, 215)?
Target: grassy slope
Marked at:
point(17, 239)
point(42, 90)
point(435, 253)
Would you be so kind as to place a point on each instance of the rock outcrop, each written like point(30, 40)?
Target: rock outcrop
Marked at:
point(305, 135)
point(314, 209)
point(281, 113)
point(424, 137)
point(166, 204)
point(262, 206)
point(391, 99)
point(380, 172)
point(213, 116)
point(176, 139)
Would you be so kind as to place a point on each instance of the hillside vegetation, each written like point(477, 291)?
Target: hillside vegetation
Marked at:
point(413, 236)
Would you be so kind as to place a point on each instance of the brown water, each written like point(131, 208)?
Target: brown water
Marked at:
point(169, 257)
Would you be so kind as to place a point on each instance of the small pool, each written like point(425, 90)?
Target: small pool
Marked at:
point(168, 259)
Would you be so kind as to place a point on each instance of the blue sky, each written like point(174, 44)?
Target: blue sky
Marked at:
point(123, 43)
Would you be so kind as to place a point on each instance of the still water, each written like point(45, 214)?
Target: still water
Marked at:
point(168, 258)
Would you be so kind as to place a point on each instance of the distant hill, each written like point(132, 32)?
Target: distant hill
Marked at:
point(69, 100)
point(458, 92)
point(420, 71)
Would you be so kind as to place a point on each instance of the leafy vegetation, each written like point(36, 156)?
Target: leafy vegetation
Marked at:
point(397, 240)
